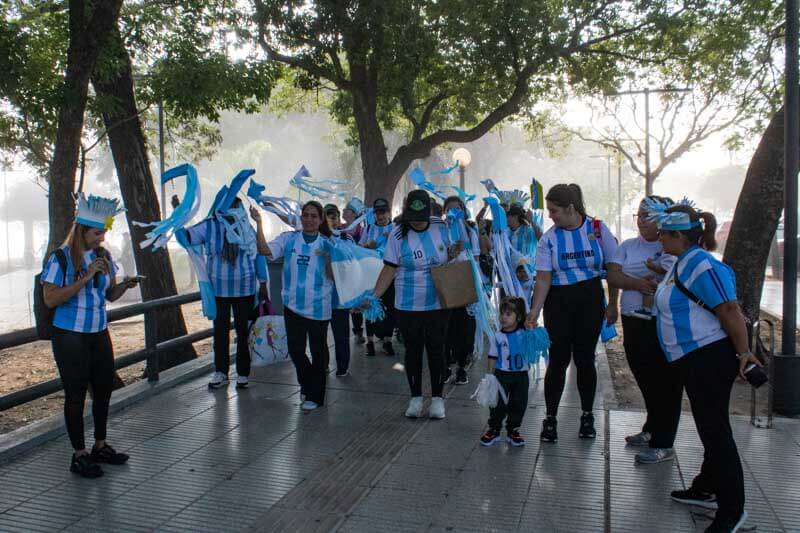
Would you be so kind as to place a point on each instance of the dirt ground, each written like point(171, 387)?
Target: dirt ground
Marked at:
point(33, 363)
point(629, 397)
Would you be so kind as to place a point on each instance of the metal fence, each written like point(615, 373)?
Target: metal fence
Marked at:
point(150, 353)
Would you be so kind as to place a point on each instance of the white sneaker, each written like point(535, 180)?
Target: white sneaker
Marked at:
point(218, 379)
point(437, 408)
point(414, 407)
point(308, 405)
point(242, 382)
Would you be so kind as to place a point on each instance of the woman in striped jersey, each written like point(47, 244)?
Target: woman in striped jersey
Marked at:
point(340, 316)
point(77, 280)
point(570, 264)
point(461, 326)
point(375, 236)
point(306, 294)
point(231, 256)
point(702, 332)
point(419, 244)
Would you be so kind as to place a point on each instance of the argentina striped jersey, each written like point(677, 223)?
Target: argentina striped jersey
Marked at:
point(376, 233)
point(682, 325)
point(86, 311)
point(414, 255)
point(506, 349)
point(575, 255)
point(228, 279)
point(307, 289)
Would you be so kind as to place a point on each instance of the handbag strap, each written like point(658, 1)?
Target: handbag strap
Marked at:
point(689, 294)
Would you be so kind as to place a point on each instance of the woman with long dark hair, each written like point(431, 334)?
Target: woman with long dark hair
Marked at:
point(703, 333)
point(306, 294)
point(231, 254)
point(77, 280)
point(419, 244)
point(570, 264)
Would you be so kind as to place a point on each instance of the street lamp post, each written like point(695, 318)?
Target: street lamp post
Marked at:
point(786, 368)
point(648, 185)
point(462, 157)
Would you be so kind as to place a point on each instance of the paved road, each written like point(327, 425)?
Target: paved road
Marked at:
point(772, 297)
point(248, 460)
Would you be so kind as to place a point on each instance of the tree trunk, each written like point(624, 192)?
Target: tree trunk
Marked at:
point(87, 34)
point(128, 148)
point(756, 217)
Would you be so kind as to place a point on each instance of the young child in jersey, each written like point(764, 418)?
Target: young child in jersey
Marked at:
point(658, 265)
point(526, 280)
point(510, 368)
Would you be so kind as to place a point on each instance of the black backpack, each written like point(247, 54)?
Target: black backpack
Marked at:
point(42, 313)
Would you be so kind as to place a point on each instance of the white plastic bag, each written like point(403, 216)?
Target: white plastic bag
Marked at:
point(268, 341)
point(488, 390)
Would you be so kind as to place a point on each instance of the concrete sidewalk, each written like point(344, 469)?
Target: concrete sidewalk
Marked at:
point(249, 460)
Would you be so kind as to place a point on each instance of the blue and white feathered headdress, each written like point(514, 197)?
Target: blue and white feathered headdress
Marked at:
point(675, 221)
point(97, 211)
point(506, 197)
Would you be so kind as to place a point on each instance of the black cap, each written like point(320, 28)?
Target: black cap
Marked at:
point(418, 206)
point(330, 208)
point(380, 204)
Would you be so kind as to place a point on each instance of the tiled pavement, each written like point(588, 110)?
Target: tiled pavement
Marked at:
point(249, 460)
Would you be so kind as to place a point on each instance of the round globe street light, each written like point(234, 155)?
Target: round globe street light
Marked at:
point(463, 158)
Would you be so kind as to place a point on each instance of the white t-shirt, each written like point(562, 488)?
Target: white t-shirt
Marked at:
point(632, 256)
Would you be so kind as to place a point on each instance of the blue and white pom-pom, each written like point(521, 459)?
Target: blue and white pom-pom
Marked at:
point(373, 311)
point(535, 345)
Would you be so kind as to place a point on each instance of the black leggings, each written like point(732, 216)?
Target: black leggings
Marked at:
point(708, 374)
point(83, 359)
point(659, 380)
point(424, 330)
point(241, 305)
point(460, 337)
point(384, 329)
point(573, 316)
point(311, 375)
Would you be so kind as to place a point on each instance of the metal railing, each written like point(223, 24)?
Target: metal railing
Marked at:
point(765, 355)
point(150, 353)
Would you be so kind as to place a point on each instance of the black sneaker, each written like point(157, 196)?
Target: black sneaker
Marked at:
point(109, 455)
point(461, 377)
point(515, 439)
point(388, 349)
point(587, 427)
point(727, 524)
point(490, 437)
point(342, 373)
point(549, 431)
point(370, 349)
point(695, 497)
point(84, 467)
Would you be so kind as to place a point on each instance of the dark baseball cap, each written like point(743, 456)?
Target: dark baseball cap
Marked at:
point(418, 206)
point(380, 204)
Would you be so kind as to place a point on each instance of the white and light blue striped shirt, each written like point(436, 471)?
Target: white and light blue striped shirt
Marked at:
point(228, 279)
point(506, 348)
point(575, 255)
point(414, 255)
point(86, 311)
point(374, 232)
point(682, 325)
point(307, 289)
